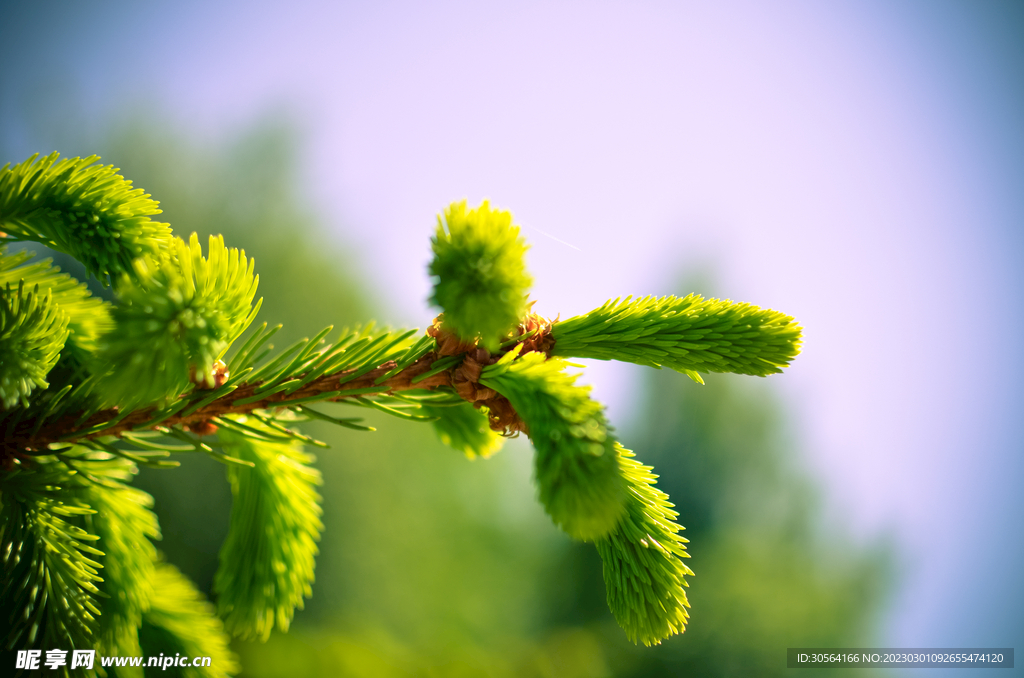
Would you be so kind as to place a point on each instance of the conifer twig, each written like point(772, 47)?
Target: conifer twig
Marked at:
point(238, 401)
point(147, 368)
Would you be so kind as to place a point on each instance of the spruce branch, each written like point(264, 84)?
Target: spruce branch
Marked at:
point(81, 209)
point(230, 399)
point(149, 376)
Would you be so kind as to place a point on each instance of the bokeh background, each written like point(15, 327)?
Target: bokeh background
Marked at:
point(859, 165)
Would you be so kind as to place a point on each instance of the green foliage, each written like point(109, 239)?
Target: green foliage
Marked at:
point(266, 564)
point(51, 571)
point(355, 352)
point(125, 524)
point(643, 570)
point(575, 466)
point(689, 335)
point(179, 620)
point(88, 316)
point(82, 209)
point(32, 333)
point(180, 312)
point(480, 278)
point(142, 381)
point(464, 428)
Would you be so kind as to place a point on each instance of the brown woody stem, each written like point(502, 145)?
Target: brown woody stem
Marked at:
point(63, 430)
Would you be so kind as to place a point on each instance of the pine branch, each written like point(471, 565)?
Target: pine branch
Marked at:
point(144, 378)
point(230, 399)
point(689, 335)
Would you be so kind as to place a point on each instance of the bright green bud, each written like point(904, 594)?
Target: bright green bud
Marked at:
point(480, 278)
point(576, 467)
point(32, 333)
point(81, 209)
point(643, 573)
point(179, 314)
point(689, 335)
point(464, 428)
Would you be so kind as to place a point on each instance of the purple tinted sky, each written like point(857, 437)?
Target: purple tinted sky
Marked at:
point(858, 165)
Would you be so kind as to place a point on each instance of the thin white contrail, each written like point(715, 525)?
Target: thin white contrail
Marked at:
point(534, 228)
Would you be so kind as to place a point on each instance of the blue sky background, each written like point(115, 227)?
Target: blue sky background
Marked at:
point(859, 165)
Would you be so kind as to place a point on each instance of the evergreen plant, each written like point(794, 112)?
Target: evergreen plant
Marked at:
point(91, 390)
